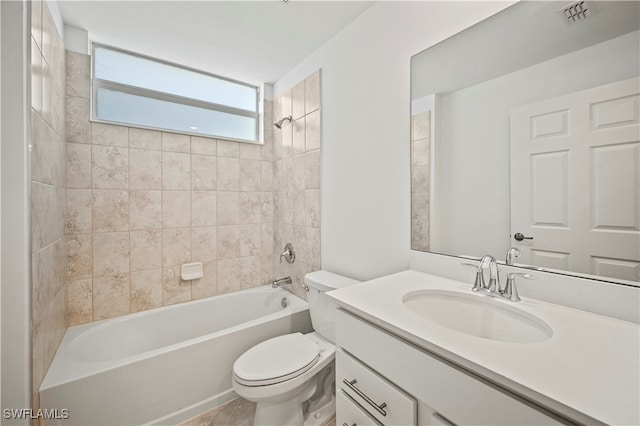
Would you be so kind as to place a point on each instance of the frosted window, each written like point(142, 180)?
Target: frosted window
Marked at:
point(143, 92)
point(139, 110)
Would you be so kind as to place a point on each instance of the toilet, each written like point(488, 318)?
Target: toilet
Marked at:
point(291, 377)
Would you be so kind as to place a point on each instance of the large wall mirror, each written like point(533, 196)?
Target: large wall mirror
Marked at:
point(526, 133)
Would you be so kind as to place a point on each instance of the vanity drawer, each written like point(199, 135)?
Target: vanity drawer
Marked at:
point(349, 413)
point(383, 400)
point(461, 397)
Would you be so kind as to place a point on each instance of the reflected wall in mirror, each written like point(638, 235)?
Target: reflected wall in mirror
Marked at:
point(526, 133)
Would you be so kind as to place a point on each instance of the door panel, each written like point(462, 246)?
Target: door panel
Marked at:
point(575, 181)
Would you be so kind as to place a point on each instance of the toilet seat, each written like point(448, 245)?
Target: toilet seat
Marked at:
point(276, 360)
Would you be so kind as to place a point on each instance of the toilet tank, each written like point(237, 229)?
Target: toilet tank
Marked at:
point(321, 307)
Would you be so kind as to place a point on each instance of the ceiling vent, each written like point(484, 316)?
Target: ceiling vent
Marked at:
point(578, 11)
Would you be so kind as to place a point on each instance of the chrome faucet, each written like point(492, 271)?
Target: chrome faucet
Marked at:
point(512, 253)
point(281, 281)
point(510, 291)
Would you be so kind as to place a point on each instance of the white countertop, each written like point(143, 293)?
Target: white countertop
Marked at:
point(589, 370)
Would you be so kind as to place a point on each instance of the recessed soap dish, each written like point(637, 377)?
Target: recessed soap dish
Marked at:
point(191, 271)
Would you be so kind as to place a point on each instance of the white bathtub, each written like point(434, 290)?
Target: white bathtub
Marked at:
point(166, 365)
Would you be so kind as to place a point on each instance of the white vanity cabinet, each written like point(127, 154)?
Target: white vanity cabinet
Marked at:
point(397, 383)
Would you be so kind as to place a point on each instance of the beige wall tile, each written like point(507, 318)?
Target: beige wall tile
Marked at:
point(313, 245)
point(48, 205)
point(277, 176)
point(110, 253)
point(312, 92)
point(174, 290)
point(266, 151)
point(146, 250)
point(49, 31)
point(207, 285)
point(145, 139)
point(297, 100)
point(203, 173)
point(80, 258)
point(78, 70)
point(228, 149)
point(78, 165)
point(204, 244)
point(47, 153)
point(312, 129)
point(146, 209)
point(420, 126)
point(287, 140)
point(266, 238)
point(266, 176)
point(228, 173)
point(111, 296)
point(47, 95)
point(176, 143)
point(176, 171)
point(176, 246)
point(285, 104)
point(36, 21)
point(266, 207)
point(250, 207)
point(266, 269)
point(298, 141)
point(250, 235)
point(312, 208)
point(228, 242)
point(176, 209)
point(146, 290)
point(250, 272)
point(36, 77)
point(277, 145)
point(228, 208)
point(145, 169)
point(299, 212)
point(249, 175)
point(110, 167)
point(80, 302)
point(420, 152)
point(203, 208)
point(108, 134)
point(250, 151)
point(78, 127)
point(312, 169)
point(203, 146)
point(78, 218)
point(48, 276)
point(420, 179)
point(110, 210)
point(228, 275)
point(299, 173)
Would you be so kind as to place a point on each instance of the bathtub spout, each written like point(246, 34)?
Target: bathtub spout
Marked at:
point(281, 281)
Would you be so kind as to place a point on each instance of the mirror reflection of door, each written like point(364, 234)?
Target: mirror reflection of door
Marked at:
point(575, 181)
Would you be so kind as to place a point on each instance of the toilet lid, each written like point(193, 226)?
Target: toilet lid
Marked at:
point(276, 360)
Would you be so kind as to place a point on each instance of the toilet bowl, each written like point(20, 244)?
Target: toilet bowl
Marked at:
point(291, 377)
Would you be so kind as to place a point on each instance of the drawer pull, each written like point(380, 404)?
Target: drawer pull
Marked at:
point(352, 385)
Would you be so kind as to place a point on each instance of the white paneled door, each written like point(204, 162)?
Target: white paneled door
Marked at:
point(575, 181)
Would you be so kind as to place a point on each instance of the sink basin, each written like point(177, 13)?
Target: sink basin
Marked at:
point(477, 315)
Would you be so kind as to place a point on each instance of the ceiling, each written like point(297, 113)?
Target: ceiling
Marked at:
point(252, 41)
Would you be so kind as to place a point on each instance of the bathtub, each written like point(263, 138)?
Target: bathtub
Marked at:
point(165, 365)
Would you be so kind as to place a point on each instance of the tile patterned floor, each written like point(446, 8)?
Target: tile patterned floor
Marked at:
point(238, 412)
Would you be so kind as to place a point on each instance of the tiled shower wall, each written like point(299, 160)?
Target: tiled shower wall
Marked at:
point(420, 180)
point(296, 180)
point(48, 193)
point(142, 202)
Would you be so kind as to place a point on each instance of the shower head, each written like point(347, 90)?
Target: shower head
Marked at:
point(281, 122)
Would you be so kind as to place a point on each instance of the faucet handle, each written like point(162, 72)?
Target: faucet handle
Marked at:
point(510, 291)
point(512, 253)
point(478, 284)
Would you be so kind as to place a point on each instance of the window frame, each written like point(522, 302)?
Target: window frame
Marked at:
point(97, 83)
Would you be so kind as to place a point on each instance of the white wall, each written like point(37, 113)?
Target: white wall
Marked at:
point(14, 284)
point(365, 128)
point(474, 163)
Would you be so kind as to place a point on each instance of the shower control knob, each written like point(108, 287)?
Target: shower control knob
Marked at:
point(519, 237)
